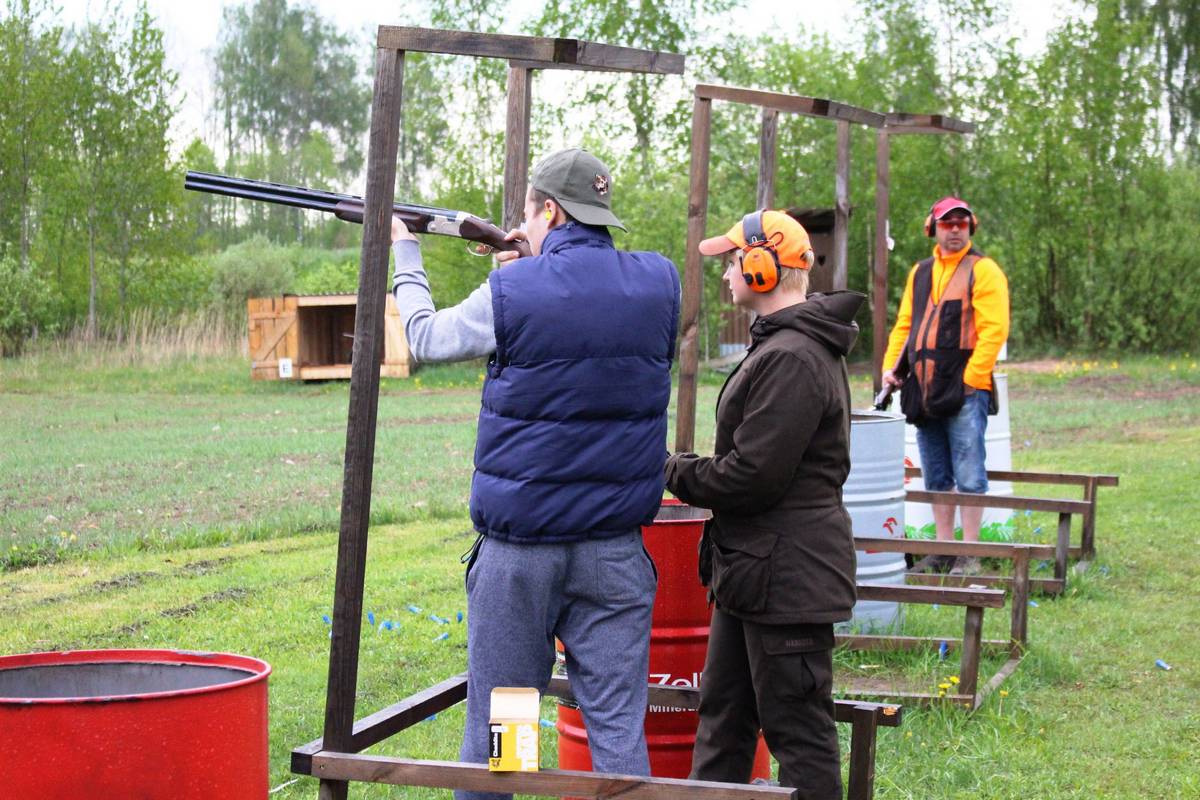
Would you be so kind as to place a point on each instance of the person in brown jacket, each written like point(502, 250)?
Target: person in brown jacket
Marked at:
point(778, 554)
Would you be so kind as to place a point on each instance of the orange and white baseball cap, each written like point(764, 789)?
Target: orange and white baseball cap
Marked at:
point(788, 237)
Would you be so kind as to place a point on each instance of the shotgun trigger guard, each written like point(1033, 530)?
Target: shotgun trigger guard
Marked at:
point(446, 226)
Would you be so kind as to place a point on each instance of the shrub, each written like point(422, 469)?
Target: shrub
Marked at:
point(253, 268)
point(332, 277)
point(25, 304)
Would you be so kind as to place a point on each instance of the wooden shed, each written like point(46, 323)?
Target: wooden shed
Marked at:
point(311, 337)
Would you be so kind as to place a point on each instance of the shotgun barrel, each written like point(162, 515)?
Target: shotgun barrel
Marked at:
point(348, 207)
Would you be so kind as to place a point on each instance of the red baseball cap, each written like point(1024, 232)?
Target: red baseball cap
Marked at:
point(947, 204)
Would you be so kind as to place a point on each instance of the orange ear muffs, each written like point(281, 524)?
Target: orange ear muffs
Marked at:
point(760, 264)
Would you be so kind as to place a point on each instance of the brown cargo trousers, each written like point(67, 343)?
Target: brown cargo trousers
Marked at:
point(778, 678)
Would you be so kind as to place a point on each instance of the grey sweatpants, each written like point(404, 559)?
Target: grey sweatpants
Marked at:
point(596, 597)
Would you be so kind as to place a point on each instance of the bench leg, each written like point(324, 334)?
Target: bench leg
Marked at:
point(1087, 548)
point(1020, 602)
point(862, 754)
point(968, 669)
point(1062, 548)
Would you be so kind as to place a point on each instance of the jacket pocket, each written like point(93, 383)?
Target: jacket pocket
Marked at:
point(949, 325)
point(946, 395)
point(741, 570)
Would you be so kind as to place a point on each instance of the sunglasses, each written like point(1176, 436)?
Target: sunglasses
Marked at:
point(954, 224)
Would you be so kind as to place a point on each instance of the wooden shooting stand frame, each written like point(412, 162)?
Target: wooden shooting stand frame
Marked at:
point(772, 103)
point(337, 757)
point(897, 124)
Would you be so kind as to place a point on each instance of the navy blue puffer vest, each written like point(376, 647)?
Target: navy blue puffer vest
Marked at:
point(573, 426)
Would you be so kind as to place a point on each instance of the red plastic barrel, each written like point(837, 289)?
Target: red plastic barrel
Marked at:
point(678, 643)
point(133, 723)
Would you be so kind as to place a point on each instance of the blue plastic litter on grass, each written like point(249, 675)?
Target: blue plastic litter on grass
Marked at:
point(935, 606)
point(430, 718)
point(414, 609)
point(1158, 662)
point(371, 617)
point(441, 636)
point(545, 723)
point(1028, 512)
point(458, 616)
point(942, 648)
point(439, 620)
point(1038, 529)
point(326, 618)
point(1104, 570)
point(1033, 604)
point(387, 625)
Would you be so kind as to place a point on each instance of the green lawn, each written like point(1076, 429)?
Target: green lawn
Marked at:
point(201, 518)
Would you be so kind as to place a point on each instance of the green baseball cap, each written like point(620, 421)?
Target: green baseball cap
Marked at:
point(580, 183)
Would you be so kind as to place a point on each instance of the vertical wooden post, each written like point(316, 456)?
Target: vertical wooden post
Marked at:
point(863, 730)
point(968, 665)
point(516, 145)
point(1087, 543)
point(879, 287)
point(766, 158)
point(841, 208)
point(693, 289)
point(364, 406)
point(1020, 602)
point(1062, 548)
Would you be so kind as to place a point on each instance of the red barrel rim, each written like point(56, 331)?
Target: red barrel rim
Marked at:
point(703, 514)
point(258, 669)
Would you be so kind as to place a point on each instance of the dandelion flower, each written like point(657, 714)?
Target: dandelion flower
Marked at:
point(954, 679)
point(1004, 692)
point(943, 685)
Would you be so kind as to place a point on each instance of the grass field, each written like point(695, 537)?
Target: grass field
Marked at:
point(183, 506)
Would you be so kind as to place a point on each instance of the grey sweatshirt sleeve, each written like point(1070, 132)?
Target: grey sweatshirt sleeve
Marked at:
point(462, 332)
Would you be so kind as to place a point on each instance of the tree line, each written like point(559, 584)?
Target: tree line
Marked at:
point(1083, 167)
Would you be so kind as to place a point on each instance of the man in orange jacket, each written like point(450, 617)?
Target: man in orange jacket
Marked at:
point(952, 323)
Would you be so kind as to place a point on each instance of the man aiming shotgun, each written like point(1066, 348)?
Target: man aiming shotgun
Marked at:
point(569, 455)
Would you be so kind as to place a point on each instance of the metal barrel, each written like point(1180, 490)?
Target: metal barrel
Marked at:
point(133, 723)
point(874, 497)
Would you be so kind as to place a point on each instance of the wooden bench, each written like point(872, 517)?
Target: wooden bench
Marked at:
point(1089, 483)
point(1060, 552)
point(968, 693)
point(312, 759)
point(1018, 584)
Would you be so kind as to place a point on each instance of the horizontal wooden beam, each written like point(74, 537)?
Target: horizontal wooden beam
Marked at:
point(613, 58)
point(889, 643)
point(1043, 585)
point(920, 697)
point(927, 123)
point(687, 698)
point(1016, 476)
point(391, 720)
point(791, 103)
point(927, 595)
point(998, 501)
point(924, 547)
point(552, 782)
point(538, 52)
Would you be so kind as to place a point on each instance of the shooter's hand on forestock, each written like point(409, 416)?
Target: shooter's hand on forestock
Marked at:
point(505, 256)
point(400, 231)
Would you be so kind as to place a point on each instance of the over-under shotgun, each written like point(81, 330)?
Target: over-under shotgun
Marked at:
point(348, 207)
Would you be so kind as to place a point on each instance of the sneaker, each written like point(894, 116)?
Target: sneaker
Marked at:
point(966, 565)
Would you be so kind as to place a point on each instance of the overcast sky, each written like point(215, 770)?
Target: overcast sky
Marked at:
point(190, 29)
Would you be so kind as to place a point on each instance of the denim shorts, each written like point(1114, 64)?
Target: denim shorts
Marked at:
point(953, 449)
